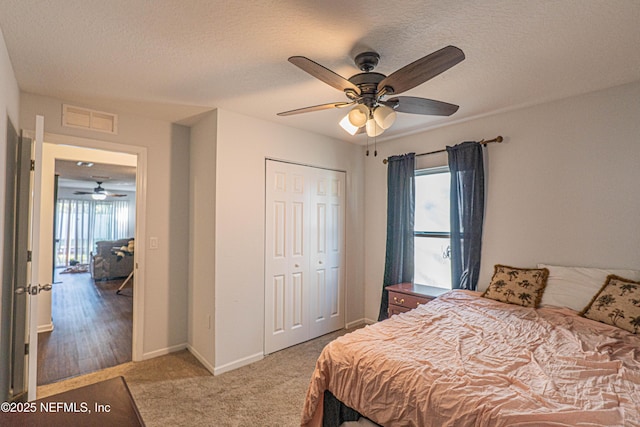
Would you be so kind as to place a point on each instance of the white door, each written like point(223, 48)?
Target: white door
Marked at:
point(286, 262)
point(34, 287)
point(304, 267)
point(327, 252)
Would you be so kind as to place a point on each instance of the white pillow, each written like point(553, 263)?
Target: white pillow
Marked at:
point(574, 287)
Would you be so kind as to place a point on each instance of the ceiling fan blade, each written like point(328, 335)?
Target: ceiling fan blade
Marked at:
point(116, 195)
point(82, 192)
point(323, 73)
point(422, 70)
point(316, 108)
point(414, 105)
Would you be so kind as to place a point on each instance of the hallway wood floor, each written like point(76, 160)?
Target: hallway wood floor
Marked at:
point(92, 328)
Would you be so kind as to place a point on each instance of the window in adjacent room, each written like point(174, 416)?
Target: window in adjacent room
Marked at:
point(431, 231)
point(81, 223)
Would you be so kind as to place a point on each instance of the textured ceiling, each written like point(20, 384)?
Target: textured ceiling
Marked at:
point(174, 59)
point(113, 177)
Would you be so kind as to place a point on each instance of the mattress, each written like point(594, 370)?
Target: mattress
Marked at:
point(466, 360)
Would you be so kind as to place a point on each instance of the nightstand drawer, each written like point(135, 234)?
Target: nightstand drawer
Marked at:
point(397, 309)
point(407, 296)
point(408, 301)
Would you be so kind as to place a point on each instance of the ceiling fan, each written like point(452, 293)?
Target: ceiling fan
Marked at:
point(368, 91)
point(99, 193)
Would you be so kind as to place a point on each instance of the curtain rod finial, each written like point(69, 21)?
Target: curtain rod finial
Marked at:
point(496, 139)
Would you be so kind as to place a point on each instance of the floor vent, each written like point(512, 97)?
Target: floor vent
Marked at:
point(84, 118)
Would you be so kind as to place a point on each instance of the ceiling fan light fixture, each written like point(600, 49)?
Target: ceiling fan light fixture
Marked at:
point(345, 123)
point(98, 196)
point(358, 115)
point(384, 116)
point(373, 129)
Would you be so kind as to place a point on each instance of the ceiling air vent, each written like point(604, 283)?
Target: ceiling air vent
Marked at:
point(83, 118)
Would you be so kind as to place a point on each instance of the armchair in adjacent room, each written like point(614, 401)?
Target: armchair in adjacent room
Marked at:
point(104, 263)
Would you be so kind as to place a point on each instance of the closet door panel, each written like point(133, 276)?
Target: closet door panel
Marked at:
point(286, 257)
point(328, 216)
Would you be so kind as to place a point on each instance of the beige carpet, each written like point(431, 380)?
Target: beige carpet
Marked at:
point(176, 390)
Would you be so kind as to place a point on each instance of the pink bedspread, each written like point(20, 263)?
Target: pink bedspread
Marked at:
point(463, 360)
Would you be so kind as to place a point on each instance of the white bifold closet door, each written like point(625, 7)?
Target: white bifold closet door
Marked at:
point(304, 253)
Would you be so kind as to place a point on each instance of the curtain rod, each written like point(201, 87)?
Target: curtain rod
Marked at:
point(497, 139)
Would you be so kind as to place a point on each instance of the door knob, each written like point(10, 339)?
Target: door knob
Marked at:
point(297, 265)
point(23, 290)
point(319, 262)
point(33, 290)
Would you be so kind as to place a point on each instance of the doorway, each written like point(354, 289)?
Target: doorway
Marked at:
point(93, 259)
point(97, 341)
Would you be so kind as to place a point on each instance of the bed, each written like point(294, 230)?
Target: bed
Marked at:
point(466, 360)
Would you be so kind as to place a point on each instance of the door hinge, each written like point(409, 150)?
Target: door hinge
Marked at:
point(26, 348)
point(29, 256)
point(33, 165)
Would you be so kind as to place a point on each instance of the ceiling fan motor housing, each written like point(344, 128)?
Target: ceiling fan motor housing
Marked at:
point(99, 188)
point(368, 84)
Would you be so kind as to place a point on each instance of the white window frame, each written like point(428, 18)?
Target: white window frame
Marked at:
point(431, 234)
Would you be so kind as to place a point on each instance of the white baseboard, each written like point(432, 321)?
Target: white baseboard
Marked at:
point(201, 359)
point(357, 323)
point(238, 363)
point(369, 321)
point(164, 351)
point(45, 328)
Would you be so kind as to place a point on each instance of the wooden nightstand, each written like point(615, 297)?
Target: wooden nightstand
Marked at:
point(407, 296)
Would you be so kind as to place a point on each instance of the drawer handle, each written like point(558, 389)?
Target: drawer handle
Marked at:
point(395, 299)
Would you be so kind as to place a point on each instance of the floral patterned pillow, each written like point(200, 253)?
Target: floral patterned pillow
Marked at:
point(617, 304)
point(522, 286)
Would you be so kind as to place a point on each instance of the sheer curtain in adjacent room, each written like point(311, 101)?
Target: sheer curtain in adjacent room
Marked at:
point(81, 223)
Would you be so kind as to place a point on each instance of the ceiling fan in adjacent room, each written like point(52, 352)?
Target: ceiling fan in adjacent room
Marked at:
point(369, 92)
point(99, 193)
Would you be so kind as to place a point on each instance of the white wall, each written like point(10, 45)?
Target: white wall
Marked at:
point(167, 213)
point(562, 189)
point(202, 231)
point(243, 143)
point(9, 110)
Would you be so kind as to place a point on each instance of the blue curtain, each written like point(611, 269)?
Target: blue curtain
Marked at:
point(398, 265)
point(467, 213)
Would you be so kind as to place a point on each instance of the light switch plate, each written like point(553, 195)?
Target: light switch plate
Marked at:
point(153, 243)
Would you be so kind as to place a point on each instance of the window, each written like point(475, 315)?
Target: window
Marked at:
point(81, 223)
point(431, 230)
